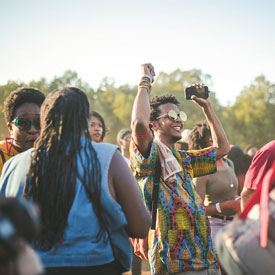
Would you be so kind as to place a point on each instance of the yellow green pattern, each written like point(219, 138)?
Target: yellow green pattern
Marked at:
point(181, 241)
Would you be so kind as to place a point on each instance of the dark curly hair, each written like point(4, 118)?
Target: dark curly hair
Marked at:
point(97, 115)
point(197, 137)
point(156, 101)
point(20, 96)
point(241, 161)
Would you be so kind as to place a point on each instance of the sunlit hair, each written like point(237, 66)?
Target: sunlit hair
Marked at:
point(53, 172)
point(97, 115)
point(156, 101)
point(197, 138)
point(18, 97)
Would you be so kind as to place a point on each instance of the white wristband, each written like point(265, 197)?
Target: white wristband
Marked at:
point(218, 207)
point(148, 76)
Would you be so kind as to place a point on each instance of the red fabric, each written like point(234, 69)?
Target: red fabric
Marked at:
point(140, 247)
point(261, 196)
point(261, 163)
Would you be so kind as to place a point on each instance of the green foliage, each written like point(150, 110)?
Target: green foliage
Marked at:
point(175, 84)
point(250, 120)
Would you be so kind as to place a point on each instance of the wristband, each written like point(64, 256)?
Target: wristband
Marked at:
point(143, 136)
point(148, 76)
point(145, 83)
point(218, 207)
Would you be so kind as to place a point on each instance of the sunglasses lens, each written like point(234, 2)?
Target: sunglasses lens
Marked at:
point(36, 123)
point(24, 124)
point(183, 116)
point(172, 115)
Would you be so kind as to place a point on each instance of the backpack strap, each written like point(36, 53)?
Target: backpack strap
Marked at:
point(2, 156)
point(155, 193)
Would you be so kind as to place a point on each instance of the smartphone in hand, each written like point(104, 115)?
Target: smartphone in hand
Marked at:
point(201, 92)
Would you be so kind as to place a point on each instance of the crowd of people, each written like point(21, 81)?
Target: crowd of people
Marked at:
point(91, 196)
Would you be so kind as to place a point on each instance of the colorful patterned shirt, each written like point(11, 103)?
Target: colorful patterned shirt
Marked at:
point(181, 241)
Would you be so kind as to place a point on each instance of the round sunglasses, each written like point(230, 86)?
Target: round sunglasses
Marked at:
point(25, 124)
point(172, 115)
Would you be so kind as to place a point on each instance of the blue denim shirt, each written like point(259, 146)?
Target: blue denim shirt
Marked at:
point(80, 246)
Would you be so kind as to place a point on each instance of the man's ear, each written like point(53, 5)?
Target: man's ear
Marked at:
point(153, 125)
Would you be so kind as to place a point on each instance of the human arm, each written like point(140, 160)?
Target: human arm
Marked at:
point(141, 132)
point(210, 210)
point(234, 205)
point(245, 196)
point(124, 188)
point(219, 138)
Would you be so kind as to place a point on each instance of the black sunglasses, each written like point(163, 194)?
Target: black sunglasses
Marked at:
point(25, 124)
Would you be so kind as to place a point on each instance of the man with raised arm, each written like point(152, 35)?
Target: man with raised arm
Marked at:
point(181, 242)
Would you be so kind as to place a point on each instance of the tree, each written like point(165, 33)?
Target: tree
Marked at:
point(251, 119)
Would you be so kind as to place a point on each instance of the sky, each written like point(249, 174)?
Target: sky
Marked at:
point(232, 40)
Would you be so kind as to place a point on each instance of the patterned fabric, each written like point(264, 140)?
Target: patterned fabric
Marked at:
point(4, 154)
point(181, 241)
point(169, 164)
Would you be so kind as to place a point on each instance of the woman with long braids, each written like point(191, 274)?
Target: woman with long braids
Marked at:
point(89, 201)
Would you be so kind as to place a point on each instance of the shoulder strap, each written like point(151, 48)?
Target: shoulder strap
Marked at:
point(155, 193)
point(2, 156)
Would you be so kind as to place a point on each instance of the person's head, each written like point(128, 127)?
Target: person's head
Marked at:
point(123, 139)
point(250, 150)
point(200, 137)
point(166, 119)
point(236, 155)
point(19, 221)
point(97, 127)
point(54, 168)
point(22, 114)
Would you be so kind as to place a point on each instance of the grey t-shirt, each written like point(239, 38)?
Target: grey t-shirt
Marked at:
point(221, 186)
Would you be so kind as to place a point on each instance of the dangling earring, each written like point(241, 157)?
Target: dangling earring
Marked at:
point(9, 142)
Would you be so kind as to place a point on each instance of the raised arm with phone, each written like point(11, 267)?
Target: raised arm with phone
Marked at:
point(156, 126)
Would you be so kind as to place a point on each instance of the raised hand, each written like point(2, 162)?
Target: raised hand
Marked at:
point(200, 101)
point(148, 69)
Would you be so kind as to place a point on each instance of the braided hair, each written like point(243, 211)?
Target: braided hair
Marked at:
point(53, 171)
point(197, 137)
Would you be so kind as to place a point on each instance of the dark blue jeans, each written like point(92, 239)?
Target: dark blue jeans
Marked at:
point(110, 268)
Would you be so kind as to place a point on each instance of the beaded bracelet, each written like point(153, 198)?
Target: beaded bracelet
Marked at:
point(145, 83)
